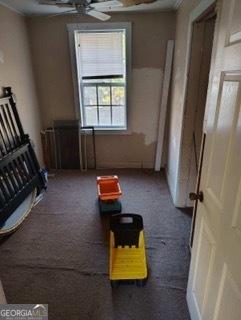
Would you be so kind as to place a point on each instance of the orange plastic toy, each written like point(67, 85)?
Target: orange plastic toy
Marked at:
point(108, 188)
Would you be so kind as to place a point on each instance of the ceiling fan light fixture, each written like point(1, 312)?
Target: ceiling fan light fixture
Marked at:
point(81, 8)
point(130, 3)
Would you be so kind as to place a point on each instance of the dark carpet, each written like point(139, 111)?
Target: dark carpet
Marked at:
point(59, 255)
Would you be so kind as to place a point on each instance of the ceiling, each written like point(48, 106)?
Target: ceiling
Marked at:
point(31, 7)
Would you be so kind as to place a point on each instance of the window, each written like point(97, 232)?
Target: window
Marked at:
point(101, 58)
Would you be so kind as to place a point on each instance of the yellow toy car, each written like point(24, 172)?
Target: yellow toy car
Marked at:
point(127, 250)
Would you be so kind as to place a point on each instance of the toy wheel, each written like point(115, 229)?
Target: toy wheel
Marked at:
point(100, 207)
point(120, 209)
point(114, 284)
point(141, 282)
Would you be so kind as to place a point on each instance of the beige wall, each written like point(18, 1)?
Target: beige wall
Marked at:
point(52, 66)
point(177, 182)
point(16, 72)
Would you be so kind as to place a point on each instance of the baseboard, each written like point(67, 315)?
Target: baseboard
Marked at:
point(125, 165)
point(178, 195)
point(170, 186)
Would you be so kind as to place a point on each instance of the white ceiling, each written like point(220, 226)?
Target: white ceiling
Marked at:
point(31, 7)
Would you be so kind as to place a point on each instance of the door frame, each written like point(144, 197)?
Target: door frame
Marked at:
point(183, 174)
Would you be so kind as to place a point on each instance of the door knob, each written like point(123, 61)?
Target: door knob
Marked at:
point(196, 196)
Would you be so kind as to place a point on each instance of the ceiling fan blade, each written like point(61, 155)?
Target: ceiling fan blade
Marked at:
point(129, 3)
point(98, 15)
point(106, 4)
point(61, 13)
point(57, 4)
point(52, 3)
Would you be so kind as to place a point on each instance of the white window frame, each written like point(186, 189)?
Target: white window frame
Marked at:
point(72, 29)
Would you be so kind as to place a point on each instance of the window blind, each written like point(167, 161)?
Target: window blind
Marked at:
point(101, 53)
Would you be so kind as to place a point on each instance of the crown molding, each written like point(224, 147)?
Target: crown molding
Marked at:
point(177, 4)
point(11, 8)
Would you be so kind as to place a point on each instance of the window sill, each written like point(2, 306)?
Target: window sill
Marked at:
point(106, 132)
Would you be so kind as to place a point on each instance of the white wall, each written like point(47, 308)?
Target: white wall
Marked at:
point(177, 179)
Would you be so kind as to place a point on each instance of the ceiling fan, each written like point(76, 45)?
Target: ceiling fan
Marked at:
point(92, 8)
point(84, 7)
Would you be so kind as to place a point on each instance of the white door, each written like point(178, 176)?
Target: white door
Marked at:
point(214, 285)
